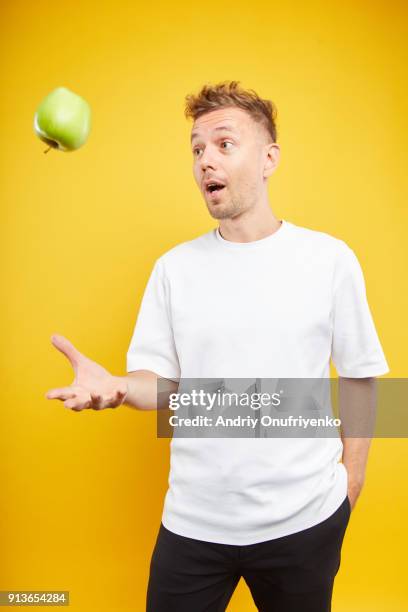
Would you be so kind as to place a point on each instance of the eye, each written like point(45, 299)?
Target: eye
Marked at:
point(199, 148)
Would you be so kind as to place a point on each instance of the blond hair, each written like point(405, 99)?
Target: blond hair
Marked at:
point(229, 93)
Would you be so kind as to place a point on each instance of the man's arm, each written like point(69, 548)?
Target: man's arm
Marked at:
point(357, 409)
point(142, 390)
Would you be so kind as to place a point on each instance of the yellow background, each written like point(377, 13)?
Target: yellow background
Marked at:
point(82, 492)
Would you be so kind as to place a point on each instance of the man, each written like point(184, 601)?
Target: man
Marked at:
point(257, 297)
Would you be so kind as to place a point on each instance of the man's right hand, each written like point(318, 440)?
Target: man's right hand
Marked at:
point(93, 386)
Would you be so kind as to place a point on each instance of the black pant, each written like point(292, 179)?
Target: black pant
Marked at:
point(293, 573)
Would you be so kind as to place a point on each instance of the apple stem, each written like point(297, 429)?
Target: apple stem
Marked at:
point(46, 150)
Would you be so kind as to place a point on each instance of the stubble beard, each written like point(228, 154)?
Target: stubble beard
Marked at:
point(226, 210)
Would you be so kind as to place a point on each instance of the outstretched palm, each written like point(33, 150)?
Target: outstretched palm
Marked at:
point(93, 386)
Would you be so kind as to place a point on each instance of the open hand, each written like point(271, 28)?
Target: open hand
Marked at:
point(93, 386)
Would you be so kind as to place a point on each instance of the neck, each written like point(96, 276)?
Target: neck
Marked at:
point(250, 225)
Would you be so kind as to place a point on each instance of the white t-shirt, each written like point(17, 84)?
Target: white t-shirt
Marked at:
point(277, 307)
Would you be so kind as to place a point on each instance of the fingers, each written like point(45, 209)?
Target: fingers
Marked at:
point(74, 397)
point(66, 347)
point(77, 399)
point(61, 393)
point(73, 404)
point(121, 396)
point(98, 402)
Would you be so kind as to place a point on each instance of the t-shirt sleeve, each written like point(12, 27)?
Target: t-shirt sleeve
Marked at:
point(356, 348)
point(152, 345)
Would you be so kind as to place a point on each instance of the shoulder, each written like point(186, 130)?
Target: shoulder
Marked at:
point(187, 253)
point(325, 251)
point(320, 241)
point(330, 251)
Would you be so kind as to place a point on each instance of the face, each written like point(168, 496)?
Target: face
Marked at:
point(230, 148)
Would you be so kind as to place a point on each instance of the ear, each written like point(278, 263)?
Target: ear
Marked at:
point(272, 152)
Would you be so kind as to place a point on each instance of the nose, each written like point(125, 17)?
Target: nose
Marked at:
point(207, 160)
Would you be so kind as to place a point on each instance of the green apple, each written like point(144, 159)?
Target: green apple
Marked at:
point(63, 120)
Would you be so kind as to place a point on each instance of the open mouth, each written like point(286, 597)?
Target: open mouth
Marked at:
point(214, 189)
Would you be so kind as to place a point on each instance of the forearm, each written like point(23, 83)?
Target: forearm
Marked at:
point(142, 390)
point(357, 408)
point(355, 457)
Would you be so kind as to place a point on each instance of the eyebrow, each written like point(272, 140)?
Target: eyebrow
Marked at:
point(217, 129)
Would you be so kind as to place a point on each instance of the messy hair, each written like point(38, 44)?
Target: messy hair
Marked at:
point(229, 93)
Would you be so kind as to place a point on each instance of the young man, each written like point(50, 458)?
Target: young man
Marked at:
point(257, 297)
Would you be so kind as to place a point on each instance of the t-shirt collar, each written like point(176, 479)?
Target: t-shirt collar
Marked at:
point(268, 240)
